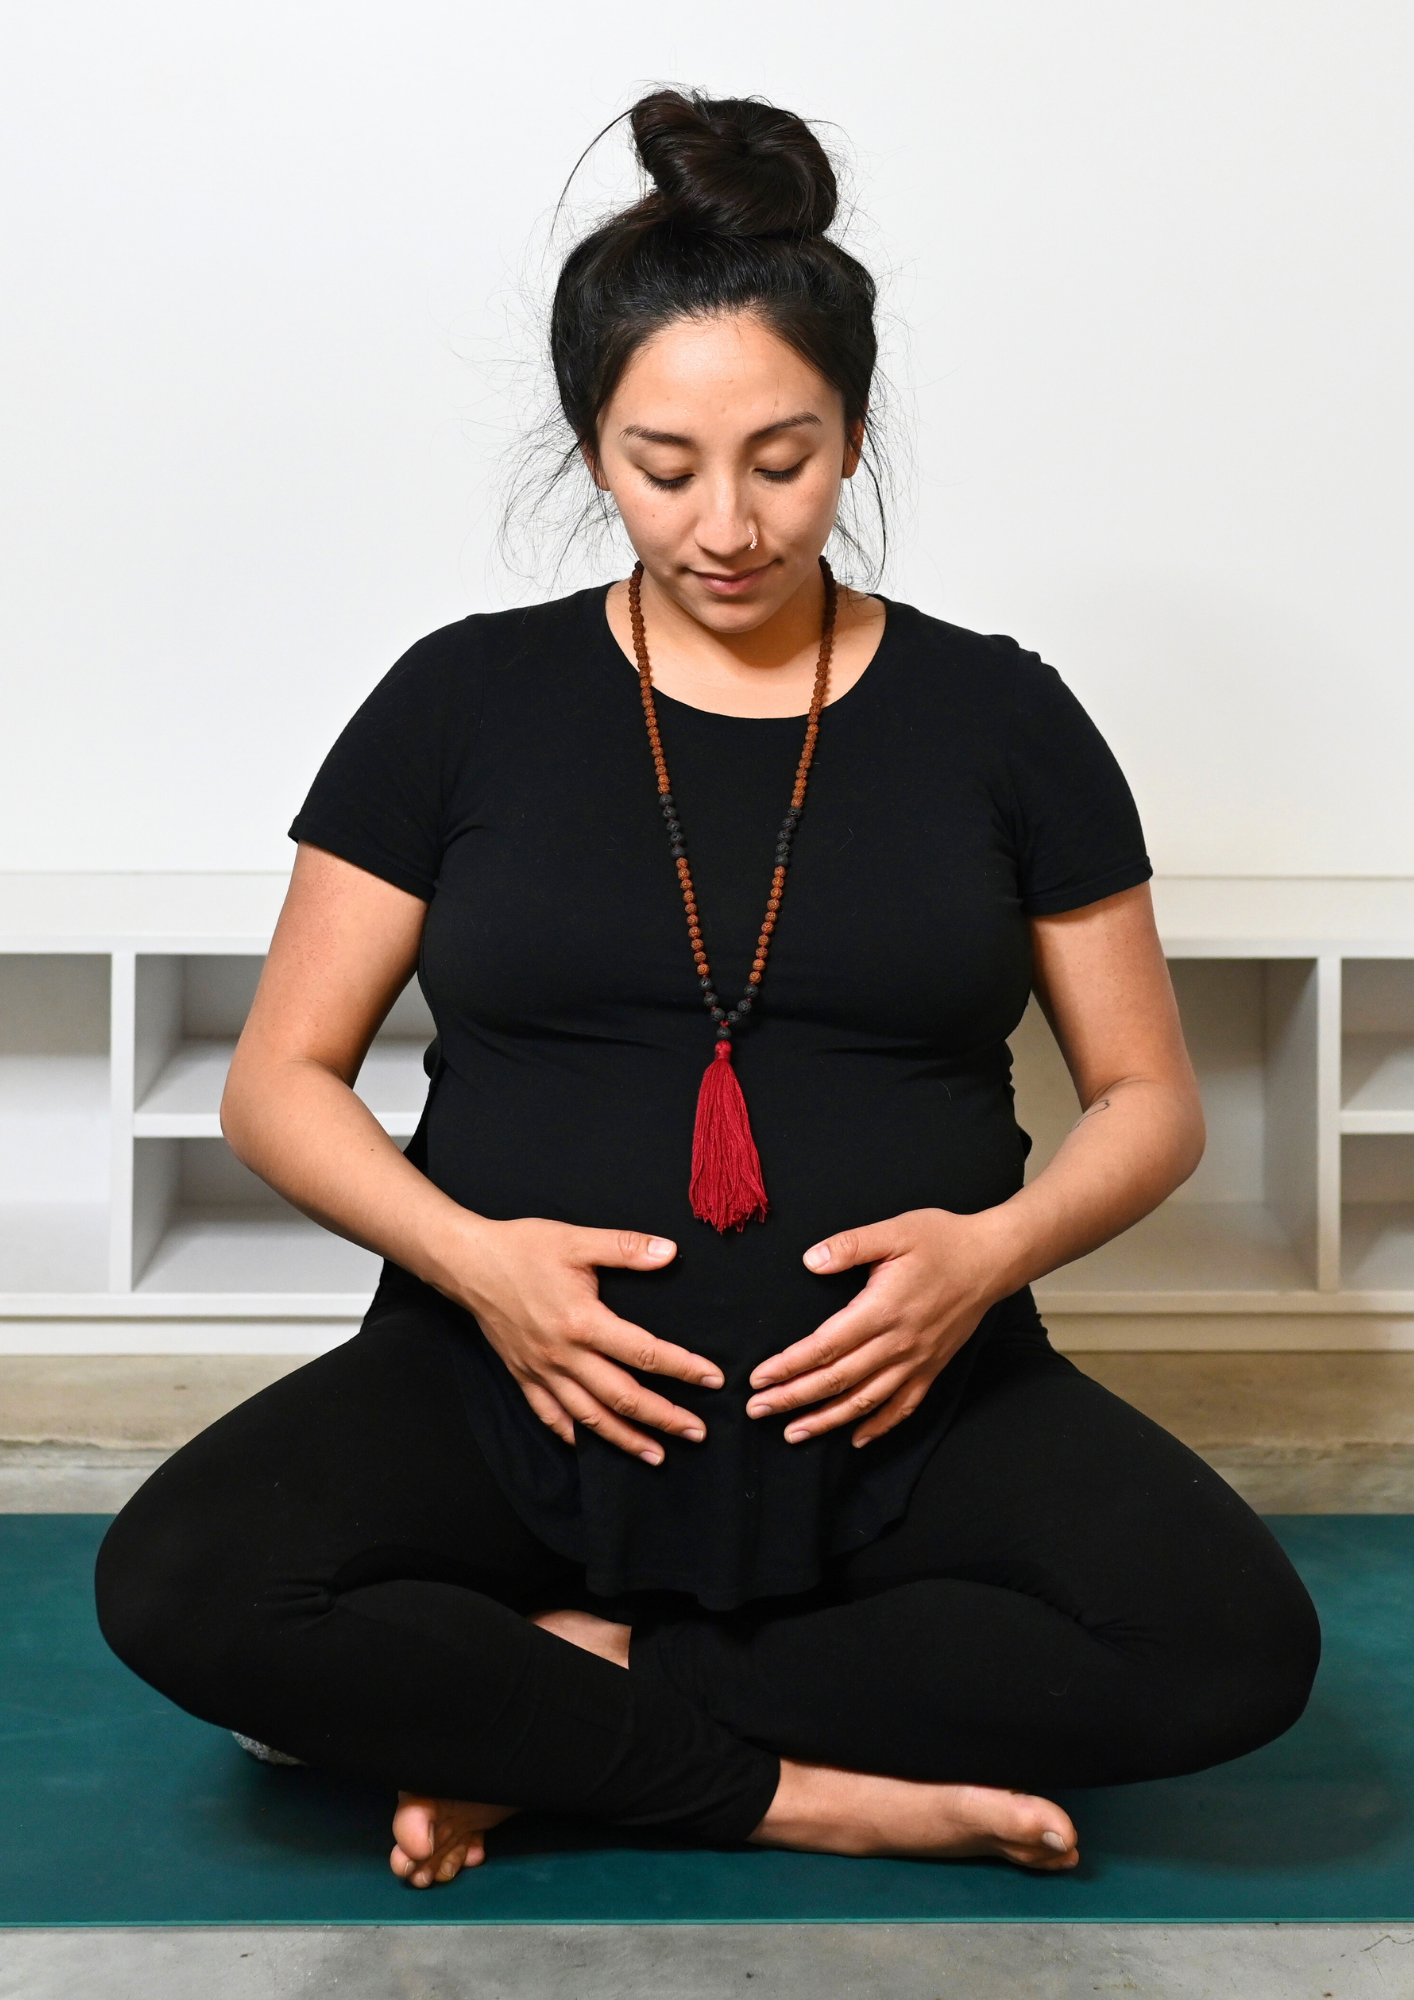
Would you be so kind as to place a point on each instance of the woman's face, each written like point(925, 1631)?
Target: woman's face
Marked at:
point(718, 432)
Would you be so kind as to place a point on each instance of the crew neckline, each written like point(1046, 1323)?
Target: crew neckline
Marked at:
point(601, 601)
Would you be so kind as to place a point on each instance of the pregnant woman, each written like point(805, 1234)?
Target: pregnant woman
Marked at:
point(702, 1463)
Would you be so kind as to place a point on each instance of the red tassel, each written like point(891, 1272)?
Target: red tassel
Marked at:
point(727, 1189)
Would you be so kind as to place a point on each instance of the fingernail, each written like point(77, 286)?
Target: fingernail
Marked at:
point(758, 1408)
point(796, 1437)
point(696, 1436)
point(859, 1443)
point(714, 1380)
point(651, 1457)
point(818, 1258)
point(1056, 1840)
point(659, 1247)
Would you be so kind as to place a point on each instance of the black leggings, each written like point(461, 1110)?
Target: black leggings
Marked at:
point(1071, 1599)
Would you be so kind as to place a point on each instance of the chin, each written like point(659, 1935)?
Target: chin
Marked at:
point(739, 614)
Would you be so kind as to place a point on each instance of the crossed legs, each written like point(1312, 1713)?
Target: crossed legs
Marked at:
point(1071, 1599)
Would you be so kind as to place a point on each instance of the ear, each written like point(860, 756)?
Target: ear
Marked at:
point(589, 452)
point(853, 448)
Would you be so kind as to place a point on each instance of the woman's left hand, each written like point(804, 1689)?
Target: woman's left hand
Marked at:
point(934, 1275)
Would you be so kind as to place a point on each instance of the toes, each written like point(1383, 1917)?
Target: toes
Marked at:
point(415, 1827)
point(1049, 1850)
point(417, 1874)
point(1060, 1852)
point(1040, 1835)
point(424, 1871)
point(1043, 1858)
point(1042, 1823)
point(418, 1857)
point(433, 1840)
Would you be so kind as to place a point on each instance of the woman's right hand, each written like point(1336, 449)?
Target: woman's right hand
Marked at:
point(533, 1289)
point(344, 948)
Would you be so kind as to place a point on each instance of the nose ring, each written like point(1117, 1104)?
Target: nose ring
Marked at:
point(753, 538)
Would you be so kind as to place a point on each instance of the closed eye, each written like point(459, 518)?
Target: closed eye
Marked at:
point(782, 478)
point(665, 485)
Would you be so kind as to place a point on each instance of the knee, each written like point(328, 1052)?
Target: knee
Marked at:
point(153, 1592)
point(1263, 1684)
point(1288, 1661)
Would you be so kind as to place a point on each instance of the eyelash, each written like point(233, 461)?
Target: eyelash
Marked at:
point(676, 485)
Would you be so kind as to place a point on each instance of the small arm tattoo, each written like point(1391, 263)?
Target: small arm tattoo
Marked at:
point(1100, 1104)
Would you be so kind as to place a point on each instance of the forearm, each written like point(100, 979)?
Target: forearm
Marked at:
point(1132, 1146)
point(303, 1130)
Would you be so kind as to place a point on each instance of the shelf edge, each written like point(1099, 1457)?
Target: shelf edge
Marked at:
point(184, 1305)
point(352, 1305)
point(1202, 1304)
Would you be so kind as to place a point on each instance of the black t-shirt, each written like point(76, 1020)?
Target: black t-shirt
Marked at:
point(502, 772)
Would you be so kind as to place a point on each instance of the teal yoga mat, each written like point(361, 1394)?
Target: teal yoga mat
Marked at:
point(118, 1809)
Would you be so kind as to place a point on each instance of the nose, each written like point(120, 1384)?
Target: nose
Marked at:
point(725, 529)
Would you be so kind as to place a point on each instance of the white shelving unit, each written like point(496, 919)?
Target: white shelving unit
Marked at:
point(126, 1225)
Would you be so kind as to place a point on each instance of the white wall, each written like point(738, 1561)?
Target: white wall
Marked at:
point(260, 273)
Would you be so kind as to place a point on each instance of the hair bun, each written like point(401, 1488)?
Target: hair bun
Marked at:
point(735, 166)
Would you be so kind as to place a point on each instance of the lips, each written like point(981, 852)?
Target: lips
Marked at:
point(722, 585)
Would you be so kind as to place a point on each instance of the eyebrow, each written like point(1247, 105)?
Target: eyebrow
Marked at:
point(672, 437)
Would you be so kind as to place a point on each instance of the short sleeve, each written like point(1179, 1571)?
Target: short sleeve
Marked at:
point(381, 797)
point(1075, 825)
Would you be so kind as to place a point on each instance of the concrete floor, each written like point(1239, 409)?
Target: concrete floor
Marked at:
point(1298, 1433)
point(139, 1402)
point(719, 1962)
point(1294, 1433)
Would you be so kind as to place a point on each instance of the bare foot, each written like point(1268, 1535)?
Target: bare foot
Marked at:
point(436, 1838)
point(583, 1629)
point(850, 1812)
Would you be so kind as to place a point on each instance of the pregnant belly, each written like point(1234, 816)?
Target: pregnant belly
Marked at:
point(850, 1146)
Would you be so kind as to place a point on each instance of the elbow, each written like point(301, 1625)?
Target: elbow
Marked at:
point(237, 1114)
point(232, 1124)
point(1191, 1138)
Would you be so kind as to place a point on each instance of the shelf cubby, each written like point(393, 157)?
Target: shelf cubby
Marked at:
point(188, 1014)
point(200, 1225)
point(1379, 1248)
point(1377, 1047)
point(205, 1225)
point(55, 1132)
point(1187, 1253)
point(124, 1217)
point(1246, 1225)
point(1377, 1234)
point(53, 1248)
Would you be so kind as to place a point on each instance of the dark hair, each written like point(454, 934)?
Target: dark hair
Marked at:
point(742, 196)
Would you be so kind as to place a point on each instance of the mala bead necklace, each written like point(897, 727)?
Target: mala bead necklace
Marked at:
point(726, 1187)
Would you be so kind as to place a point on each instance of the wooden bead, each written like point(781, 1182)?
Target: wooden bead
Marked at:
point(797, 797)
